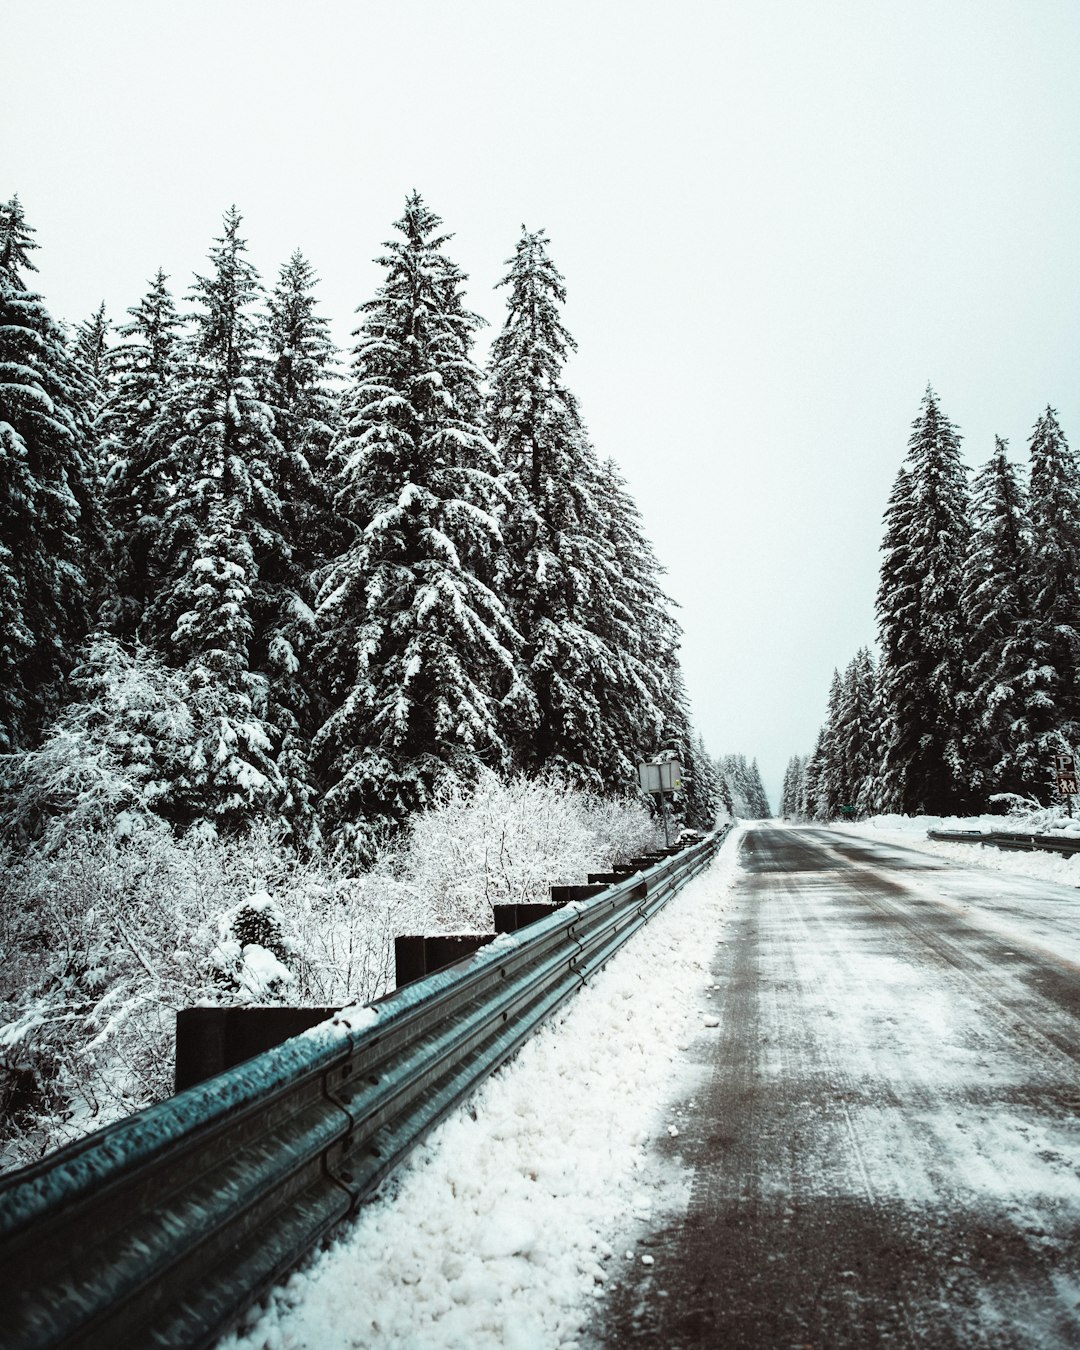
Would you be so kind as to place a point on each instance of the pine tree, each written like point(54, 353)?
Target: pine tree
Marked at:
point(725, 795)
point(792, 792)
point(640, 690)
point(843, 771)
point(833, 785)
point(862, 744)
point(417, 647)
point(758, 796)
point(873, 797)
point(139, 427)
point(50, 526)
point(1054, 586)
point(921, 624)
point(302, 361)
point(222, 523)
point(747, 792)
point(1008, 692)
point(734, 769)
point(695, 803)
point(813, 803)
point(852, 740)
point(91, 348)
point(302, 364)
point(592, 709)
point(711, 797)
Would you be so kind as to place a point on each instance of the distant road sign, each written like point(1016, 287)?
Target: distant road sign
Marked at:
point(1066, 774)
point(664, 776)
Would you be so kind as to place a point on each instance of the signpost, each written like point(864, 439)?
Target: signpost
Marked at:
point(1065, 765)
point(661, 777)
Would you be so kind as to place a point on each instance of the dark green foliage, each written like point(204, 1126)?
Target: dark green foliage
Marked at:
point(92, 350)
point(222, 525)
point(793, 791)
point(1012, 706)
point(923, 637)
point(600, 645)
point(301, 362)
point(554, 569)
point(139, 426)
point(417, 658)
point(1054, 585)
point(840, 779)
point(978, 608)
point(51, 540)
point(418, 601)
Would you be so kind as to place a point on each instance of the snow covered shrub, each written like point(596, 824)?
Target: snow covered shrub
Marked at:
point(105, 934)
point(623, 827)
point(508, 841)
point(342, 932)
point(111, 760)
point(102, 941)
point(251, 954)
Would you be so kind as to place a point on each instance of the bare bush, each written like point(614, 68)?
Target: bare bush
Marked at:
point(507, 842)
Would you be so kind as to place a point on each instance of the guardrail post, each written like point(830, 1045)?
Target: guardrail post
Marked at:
point(509, 918)
point(211, 1040)
point(563, 895)
point(416, 956)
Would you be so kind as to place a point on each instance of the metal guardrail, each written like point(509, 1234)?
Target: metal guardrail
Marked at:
point(163, 1228)
point(1024, 843)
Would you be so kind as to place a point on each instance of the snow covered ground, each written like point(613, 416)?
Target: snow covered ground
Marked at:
point(503, 1228)
point(911, 832)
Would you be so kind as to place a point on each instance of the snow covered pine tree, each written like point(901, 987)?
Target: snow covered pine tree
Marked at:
point(921, 624)
point(223, 522)
point(554, 568)
point(302, 360)
point(1010, 701)
point(51, 540)
point(1054, 585)
point(417, 651)
point(136, 450)
point(600, 645)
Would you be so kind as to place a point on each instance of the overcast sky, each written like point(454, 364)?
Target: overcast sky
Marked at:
point(778, 220)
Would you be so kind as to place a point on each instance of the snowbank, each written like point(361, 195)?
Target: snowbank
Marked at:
point(910, 831)
point(502, 1228)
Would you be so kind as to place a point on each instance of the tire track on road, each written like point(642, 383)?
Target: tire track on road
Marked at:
point(881, 1067)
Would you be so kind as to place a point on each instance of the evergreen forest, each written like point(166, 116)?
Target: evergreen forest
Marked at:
point(975, 687)
point(245, 579)
point(300, 651)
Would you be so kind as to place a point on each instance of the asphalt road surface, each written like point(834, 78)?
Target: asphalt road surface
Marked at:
point(885, 1148)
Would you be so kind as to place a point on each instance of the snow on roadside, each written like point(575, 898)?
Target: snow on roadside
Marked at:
point(501, 1229)
point(910, 831)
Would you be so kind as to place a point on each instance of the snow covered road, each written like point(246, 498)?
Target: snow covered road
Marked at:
point(887, 1152)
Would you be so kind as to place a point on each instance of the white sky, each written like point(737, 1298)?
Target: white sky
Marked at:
point(778, 219)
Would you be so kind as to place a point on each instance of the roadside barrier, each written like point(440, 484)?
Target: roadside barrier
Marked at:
point(1024, 843)
point(163, 1228)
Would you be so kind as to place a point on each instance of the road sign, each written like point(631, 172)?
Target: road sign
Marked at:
point(661, 776)
point(1066, 774)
